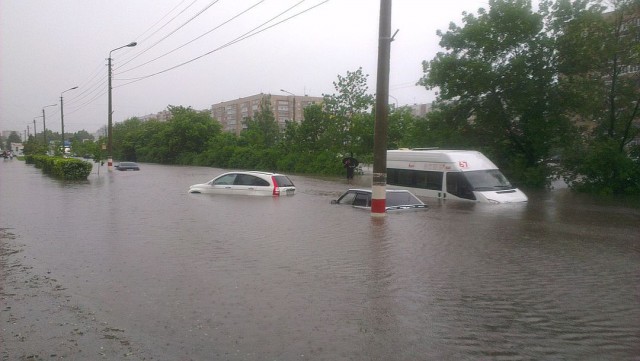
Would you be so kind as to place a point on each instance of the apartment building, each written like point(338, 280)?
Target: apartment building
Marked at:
point(231, 114)
point(162, 116)
point(420, 110)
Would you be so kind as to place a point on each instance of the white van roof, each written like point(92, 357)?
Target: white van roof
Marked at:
point(464, 160)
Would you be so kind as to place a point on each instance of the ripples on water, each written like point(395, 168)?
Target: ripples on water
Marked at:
point(278, 278)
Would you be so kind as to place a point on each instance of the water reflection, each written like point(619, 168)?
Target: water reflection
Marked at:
point(215, 277)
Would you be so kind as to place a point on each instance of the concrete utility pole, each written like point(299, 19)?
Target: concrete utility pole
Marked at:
point(44, 125)
point(62, 115)
point(379, 193)
point(110, 111)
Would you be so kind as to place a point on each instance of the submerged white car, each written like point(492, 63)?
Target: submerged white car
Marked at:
point(396, 199)
point(247, 183)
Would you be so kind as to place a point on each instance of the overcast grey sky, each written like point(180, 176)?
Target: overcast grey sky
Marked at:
point(50, 46)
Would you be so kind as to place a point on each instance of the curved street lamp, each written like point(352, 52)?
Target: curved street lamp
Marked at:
point(62, 114)
point(294, 103)
point(109, 125)
point(44, 125)
point(394, 98)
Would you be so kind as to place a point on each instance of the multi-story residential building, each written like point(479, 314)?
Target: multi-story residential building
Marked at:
point(629, 31)
point(420, 110)
point(231, 114)
point(162, 116)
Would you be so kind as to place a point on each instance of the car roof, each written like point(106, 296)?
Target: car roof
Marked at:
point(388, 191)
point(263, 173)
point(369, 190)
point(253, 172)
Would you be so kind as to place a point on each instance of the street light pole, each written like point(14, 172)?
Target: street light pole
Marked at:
point(394, 98)
point(294, 103)
point(109, 125)
point(62, 115)
point(44, 125)
point(35, 131)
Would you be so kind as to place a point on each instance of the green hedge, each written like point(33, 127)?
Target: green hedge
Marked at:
point(64, 168)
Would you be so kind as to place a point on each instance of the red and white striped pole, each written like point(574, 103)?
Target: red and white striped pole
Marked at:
point(379, 183)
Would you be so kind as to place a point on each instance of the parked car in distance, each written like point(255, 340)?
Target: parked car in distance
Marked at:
point(127, 166)
point(396, 199)
point(247, 183)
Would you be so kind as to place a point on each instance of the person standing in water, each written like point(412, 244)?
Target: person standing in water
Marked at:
point(350, 164)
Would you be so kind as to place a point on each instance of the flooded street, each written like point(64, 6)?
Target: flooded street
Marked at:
point(178, 276)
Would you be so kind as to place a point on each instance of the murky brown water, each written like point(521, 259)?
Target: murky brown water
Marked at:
point(213, 277)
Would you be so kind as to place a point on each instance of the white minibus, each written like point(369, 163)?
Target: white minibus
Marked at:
point(450, 174)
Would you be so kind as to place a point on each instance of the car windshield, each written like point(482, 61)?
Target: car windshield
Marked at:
point(283, 181)
point(487, 180)
point(393, 199)
point(401, 199)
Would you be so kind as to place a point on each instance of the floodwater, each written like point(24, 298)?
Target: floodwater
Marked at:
point(191, 276)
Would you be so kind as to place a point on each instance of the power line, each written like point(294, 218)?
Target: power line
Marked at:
point(172, 32)
point(94, 91)
point(83, 87)
point(159, 20)
point(238, 39)
point(185, 44)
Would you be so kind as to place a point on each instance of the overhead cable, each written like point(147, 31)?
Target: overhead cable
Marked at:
point(171, 33)
point(240, 38)
point(185, 44)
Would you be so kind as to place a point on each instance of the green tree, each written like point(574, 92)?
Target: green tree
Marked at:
point(498, 82)
point(177, 141)
point(352, 97)
point(597, 53)
point(219, 151)
point(311, 133)
point(12, 138)
point(188, 133)
point(402, 123)
point(346, 108)
point(126, 139)
point(33, 147)
point(262, 130)
point(82, 135)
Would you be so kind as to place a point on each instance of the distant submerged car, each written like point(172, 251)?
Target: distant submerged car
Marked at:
point(127, 166)
point(396, 199)
point(247, 183)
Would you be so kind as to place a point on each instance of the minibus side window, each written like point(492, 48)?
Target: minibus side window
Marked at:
point(434, 180)
point(415, 178)
point(458, 185)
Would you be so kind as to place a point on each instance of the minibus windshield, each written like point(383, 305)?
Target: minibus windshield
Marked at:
point(487, 180)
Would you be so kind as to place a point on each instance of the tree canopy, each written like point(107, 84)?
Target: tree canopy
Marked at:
point(517, 84)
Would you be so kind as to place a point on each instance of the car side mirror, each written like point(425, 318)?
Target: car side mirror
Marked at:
point(334, 201)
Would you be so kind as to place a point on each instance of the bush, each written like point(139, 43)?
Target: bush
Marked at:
point(603, 169)
point(63, 168)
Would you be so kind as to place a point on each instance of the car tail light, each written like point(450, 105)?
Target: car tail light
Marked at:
point(276, 190)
